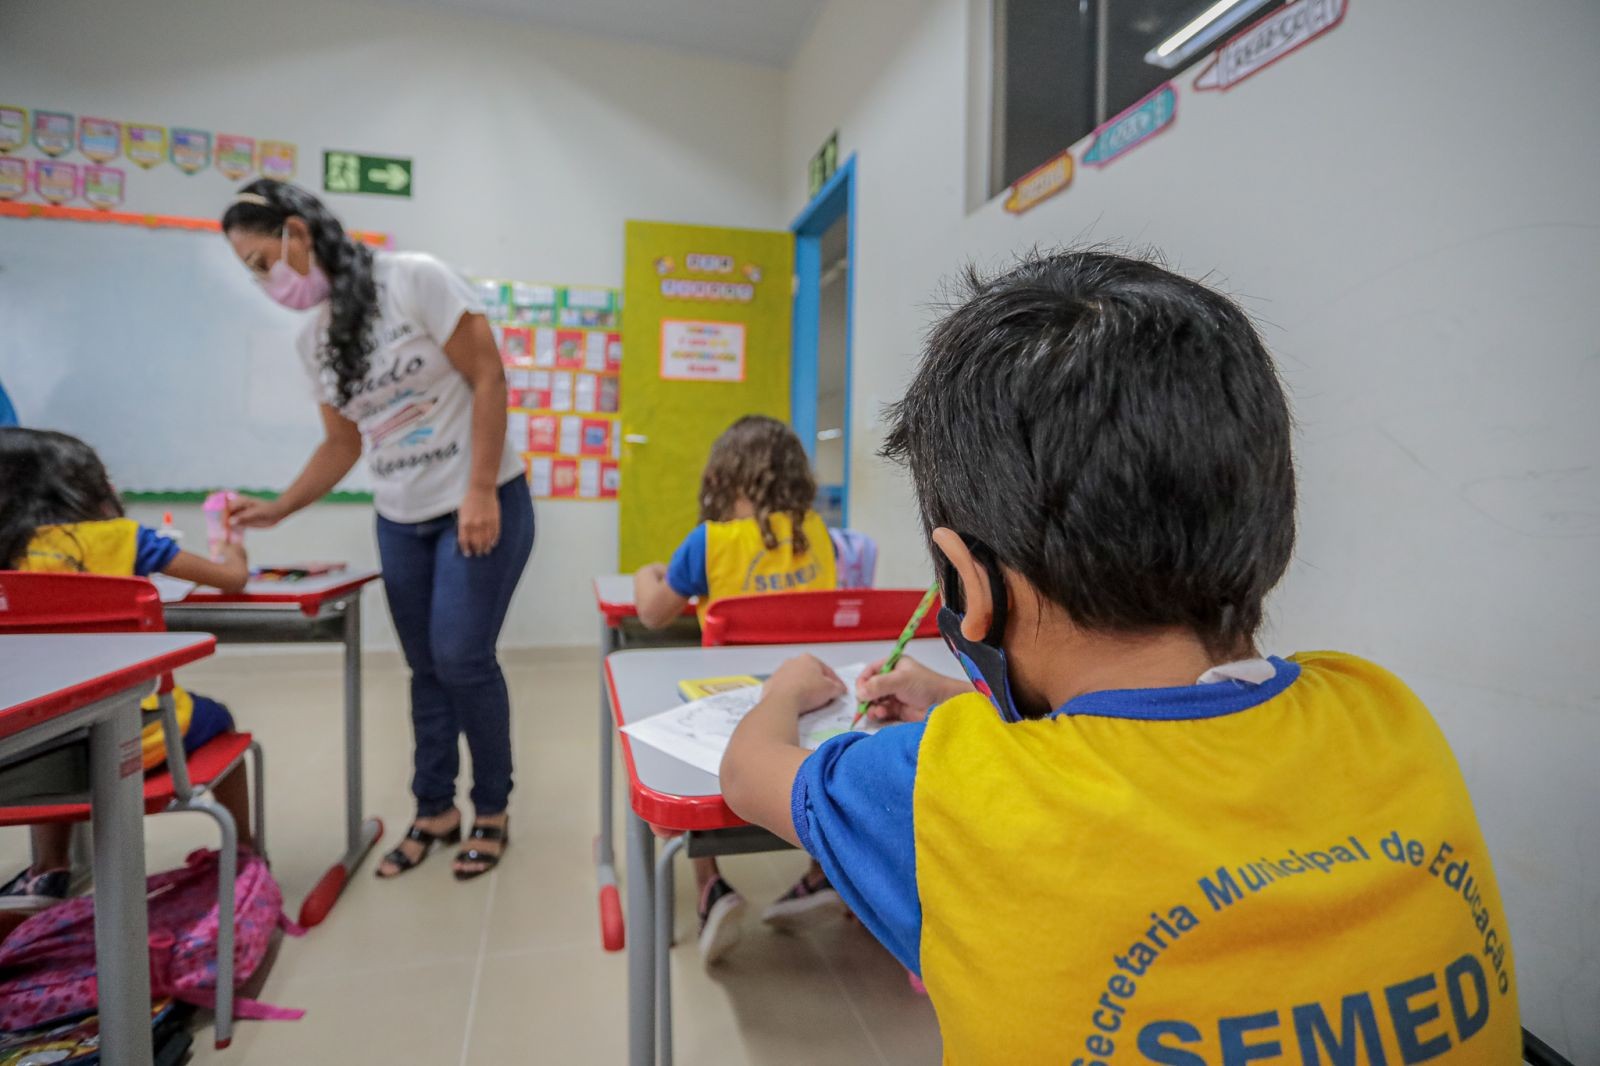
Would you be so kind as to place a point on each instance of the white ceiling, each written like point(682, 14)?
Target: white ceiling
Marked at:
point(757, 31)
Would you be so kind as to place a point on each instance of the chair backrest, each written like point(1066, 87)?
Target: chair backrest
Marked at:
point(78, 603)
point(855, 557)
point(815, 617)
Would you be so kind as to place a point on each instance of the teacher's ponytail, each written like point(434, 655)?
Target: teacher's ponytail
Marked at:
point(263, 207)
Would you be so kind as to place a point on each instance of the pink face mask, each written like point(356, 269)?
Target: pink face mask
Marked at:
point(294, 290)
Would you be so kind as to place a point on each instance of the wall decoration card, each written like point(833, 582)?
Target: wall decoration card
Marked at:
point(562, 350)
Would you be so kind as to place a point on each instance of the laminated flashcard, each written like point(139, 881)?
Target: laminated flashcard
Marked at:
point(236, 156)
point(596, 438)
point(99, 139)
point(544, 434)
point(144, 143)
point(608, 399)
point(53, 132)
point(278, 160)
point(56, 182)
point(191, 150)
point(13, 128)
point(103, 186)
point(13, 178)
point(610, 480)
point(589, 479)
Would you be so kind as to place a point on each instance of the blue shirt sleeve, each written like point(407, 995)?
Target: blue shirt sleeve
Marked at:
point(851, 807)
point(152, 552)
point(686, 573)
point(8, 413)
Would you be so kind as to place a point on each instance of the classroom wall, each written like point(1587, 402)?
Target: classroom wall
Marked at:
point(1407, 205)
point(531, 146)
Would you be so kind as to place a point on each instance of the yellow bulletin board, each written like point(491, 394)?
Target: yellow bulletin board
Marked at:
point(707, 336)
point(562, 350)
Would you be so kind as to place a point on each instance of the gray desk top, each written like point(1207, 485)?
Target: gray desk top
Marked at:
point(614, 589)
point(50, 674)
point(645, 683)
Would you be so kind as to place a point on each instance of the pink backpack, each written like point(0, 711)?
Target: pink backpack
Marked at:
point(47, 966)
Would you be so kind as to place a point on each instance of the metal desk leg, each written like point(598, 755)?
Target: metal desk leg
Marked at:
point(641, 946)
point(121, 928)
point(359, 835)
point(663, 938)
point(613, 933)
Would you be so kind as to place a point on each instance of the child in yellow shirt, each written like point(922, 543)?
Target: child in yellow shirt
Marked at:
point(59, 514)
point(758, 534)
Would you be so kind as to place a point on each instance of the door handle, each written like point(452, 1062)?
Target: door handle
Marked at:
point(635, 438)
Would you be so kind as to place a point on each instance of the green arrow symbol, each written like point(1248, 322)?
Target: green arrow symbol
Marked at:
point(392, 177)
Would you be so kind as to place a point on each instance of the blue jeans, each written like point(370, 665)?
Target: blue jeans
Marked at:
point(448, 610)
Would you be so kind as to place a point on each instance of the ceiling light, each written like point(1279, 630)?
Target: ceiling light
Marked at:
point(1202, 32)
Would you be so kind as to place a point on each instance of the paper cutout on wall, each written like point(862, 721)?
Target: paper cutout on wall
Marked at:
point(100, 139)
point(702, 351)
point(13, 178)
point(145, 144)
point(56, 182)
point(236, 156)
point(278, 160)
point(1268, 40)
point(13, 128)
point(191, 150)
point(1122, 134)
point(53, 132)
point(103, 186)
point(1040, 183)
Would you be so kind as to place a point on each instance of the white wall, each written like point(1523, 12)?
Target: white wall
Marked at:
point(531, 146)
point(1408, 205)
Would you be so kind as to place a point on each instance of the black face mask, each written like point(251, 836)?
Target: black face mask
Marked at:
point(983, 660)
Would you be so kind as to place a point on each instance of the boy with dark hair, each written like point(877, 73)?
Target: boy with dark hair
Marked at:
point(1138, 839)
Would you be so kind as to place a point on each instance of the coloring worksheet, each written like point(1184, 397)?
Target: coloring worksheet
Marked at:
point(698, 731)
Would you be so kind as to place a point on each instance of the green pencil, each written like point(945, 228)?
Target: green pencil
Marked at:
point(900, 645)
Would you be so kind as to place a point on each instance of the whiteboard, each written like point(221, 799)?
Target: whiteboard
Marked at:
point(157, 348)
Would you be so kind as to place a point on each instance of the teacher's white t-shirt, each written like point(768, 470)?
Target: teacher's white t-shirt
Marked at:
point(414, 409)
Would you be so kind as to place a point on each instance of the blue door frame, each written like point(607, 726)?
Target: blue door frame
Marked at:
point(833, 201)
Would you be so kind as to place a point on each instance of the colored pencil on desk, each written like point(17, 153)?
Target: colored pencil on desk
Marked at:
point(900, 645)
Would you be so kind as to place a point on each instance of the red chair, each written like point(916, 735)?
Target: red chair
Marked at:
point(90, 603)
point(815, 617)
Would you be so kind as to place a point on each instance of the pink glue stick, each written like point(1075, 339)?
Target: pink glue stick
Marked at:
point(219, 530)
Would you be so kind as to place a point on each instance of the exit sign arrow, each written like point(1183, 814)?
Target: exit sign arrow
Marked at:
point(352, 172)
point(393, 177)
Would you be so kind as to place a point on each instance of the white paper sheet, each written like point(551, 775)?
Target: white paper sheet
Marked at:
point(171, 589)
point(698, 731)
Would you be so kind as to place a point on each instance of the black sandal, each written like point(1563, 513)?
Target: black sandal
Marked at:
point(403, 862)
point(493, 833)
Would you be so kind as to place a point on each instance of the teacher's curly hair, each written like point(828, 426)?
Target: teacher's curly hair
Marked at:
point(262, 207)
point(760, 459)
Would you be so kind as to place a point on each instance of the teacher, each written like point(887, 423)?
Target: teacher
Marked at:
point(400, 358)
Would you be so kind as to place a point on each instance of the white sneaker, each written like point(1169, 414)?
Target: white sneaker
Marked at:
point(720, 909)
point(808, 903)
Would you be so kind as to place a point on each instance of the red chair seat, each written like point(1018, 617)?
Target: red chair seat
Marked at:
point(206, 764)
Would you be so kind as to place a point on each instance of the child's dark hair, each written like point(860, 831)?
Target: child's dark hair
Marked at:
point(1115, 434)
point(762, 460)
point(353, 296)
point(48, 479)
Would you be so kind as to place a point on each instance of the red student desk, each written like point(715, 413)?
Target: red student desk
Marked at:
point(323, 609)
point(613, 596)
point(54, 685)
point(666, 793)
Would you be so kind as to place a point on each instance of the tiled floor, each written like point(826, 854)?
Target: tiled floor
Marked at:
point(508, 968)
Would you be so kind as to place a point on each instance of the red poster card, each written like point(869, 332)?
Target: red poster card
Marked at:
point(543, 433)
point(564, 477)
point(569, 348)
point(610, 480)
point(596, 437)
point(516, 344)
point(613, 351)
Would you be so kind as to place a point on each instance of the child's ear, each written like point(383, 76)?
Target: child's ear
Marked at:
point(975, 591)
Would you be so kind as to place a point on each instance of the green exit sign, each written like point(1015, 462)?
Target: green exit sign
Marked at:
point(379, 174)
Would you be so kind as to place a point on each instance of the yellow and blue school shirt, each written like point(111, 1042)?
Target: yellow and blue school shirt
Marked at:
point(723, 559)
point(1226, 873)
point(121, 547)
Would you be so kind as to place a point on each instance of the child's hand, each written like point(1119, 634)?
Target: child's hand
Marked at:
point(802, 684)
point(232, 553)
point(905, 693)
point(247, 512)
